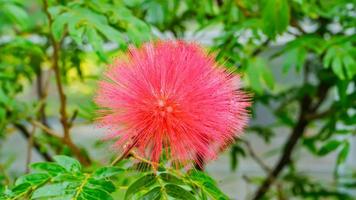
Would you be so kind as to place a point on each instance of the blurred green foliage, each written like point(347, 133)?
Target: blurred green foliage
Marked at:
point(48, 45)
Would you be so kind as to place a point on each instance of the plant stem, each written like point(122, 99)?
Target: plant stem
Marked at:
point(29, 148)
point(124, 154)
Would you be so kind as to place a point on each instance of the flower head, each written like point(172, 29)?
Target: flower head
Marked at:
point(171, 97)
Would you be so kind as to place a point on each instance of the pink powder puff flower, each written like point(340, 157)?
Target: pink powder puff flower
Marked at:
point(172, 97)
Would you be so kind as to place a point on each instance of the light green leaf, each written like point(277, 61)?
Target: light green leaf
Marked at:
point(106, 172)
point(112, 34)
point(337, 67)
point(95, 194)
point(58, 25)
point(76, 33)
point(276, 17)
point(51, 168)
point(15, 13)
point(70, 164)
point(350, 65)
point(96, 41)
point(33, 179)
point(53, 190)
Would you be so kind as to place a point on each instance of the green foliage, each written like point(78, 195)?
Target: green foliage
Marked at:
point(63, 179)
point(173, 183)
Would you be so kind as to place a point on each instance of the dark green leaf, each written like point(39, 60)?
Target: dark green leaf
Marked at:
point(142, 183)
point(170, 178)
point(207, 184)
point(20, 189)
point(178, 192)
point(329, 147)
point(343, 153)
point(101, 184)
point(154, 194)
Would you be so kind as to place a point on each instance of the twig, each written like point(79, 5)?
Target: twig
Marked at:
point(255, 157)
point(124, 154)
point(29, 148)
point(46, 129)
point(46, 156)
point(71, 121)
point(137, 157)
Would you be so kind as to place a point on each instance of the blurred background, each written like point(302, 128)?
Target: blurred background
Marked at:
point(297, 58)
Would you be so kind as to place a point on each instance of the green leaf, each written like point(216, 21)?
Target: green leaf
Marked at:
point(33, 179)
point(20, 189)
point(343, 153)
point(258, 72)
point(95, 194)
point(96, 41)
point(142, 183)
point(276, 17)
point(178, 192)
point(329, 147)
point(169, 178)
point(15, 13)
point(106, 172)
point(112, 34)
point(154, 194)
point(58, 25)
point(207, 184)
point(76, 33)
point(337, 67)
point(267, 76)
point(350, 65)
point(101, 184)
point(70, 164)
point(53, 190)
point(51, 168)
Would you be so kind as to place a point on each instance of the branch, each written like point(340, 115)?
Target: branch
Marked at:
point(62, 97)
point(45, 155)
point(306, 107)
point(320, 115)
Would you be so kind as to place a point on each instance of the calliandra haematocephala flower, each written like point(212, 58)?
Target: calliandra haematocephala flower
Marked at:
point(171, 97)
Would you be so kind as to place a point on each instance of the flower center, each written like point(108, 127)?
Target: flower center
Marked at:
point(164, 107)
